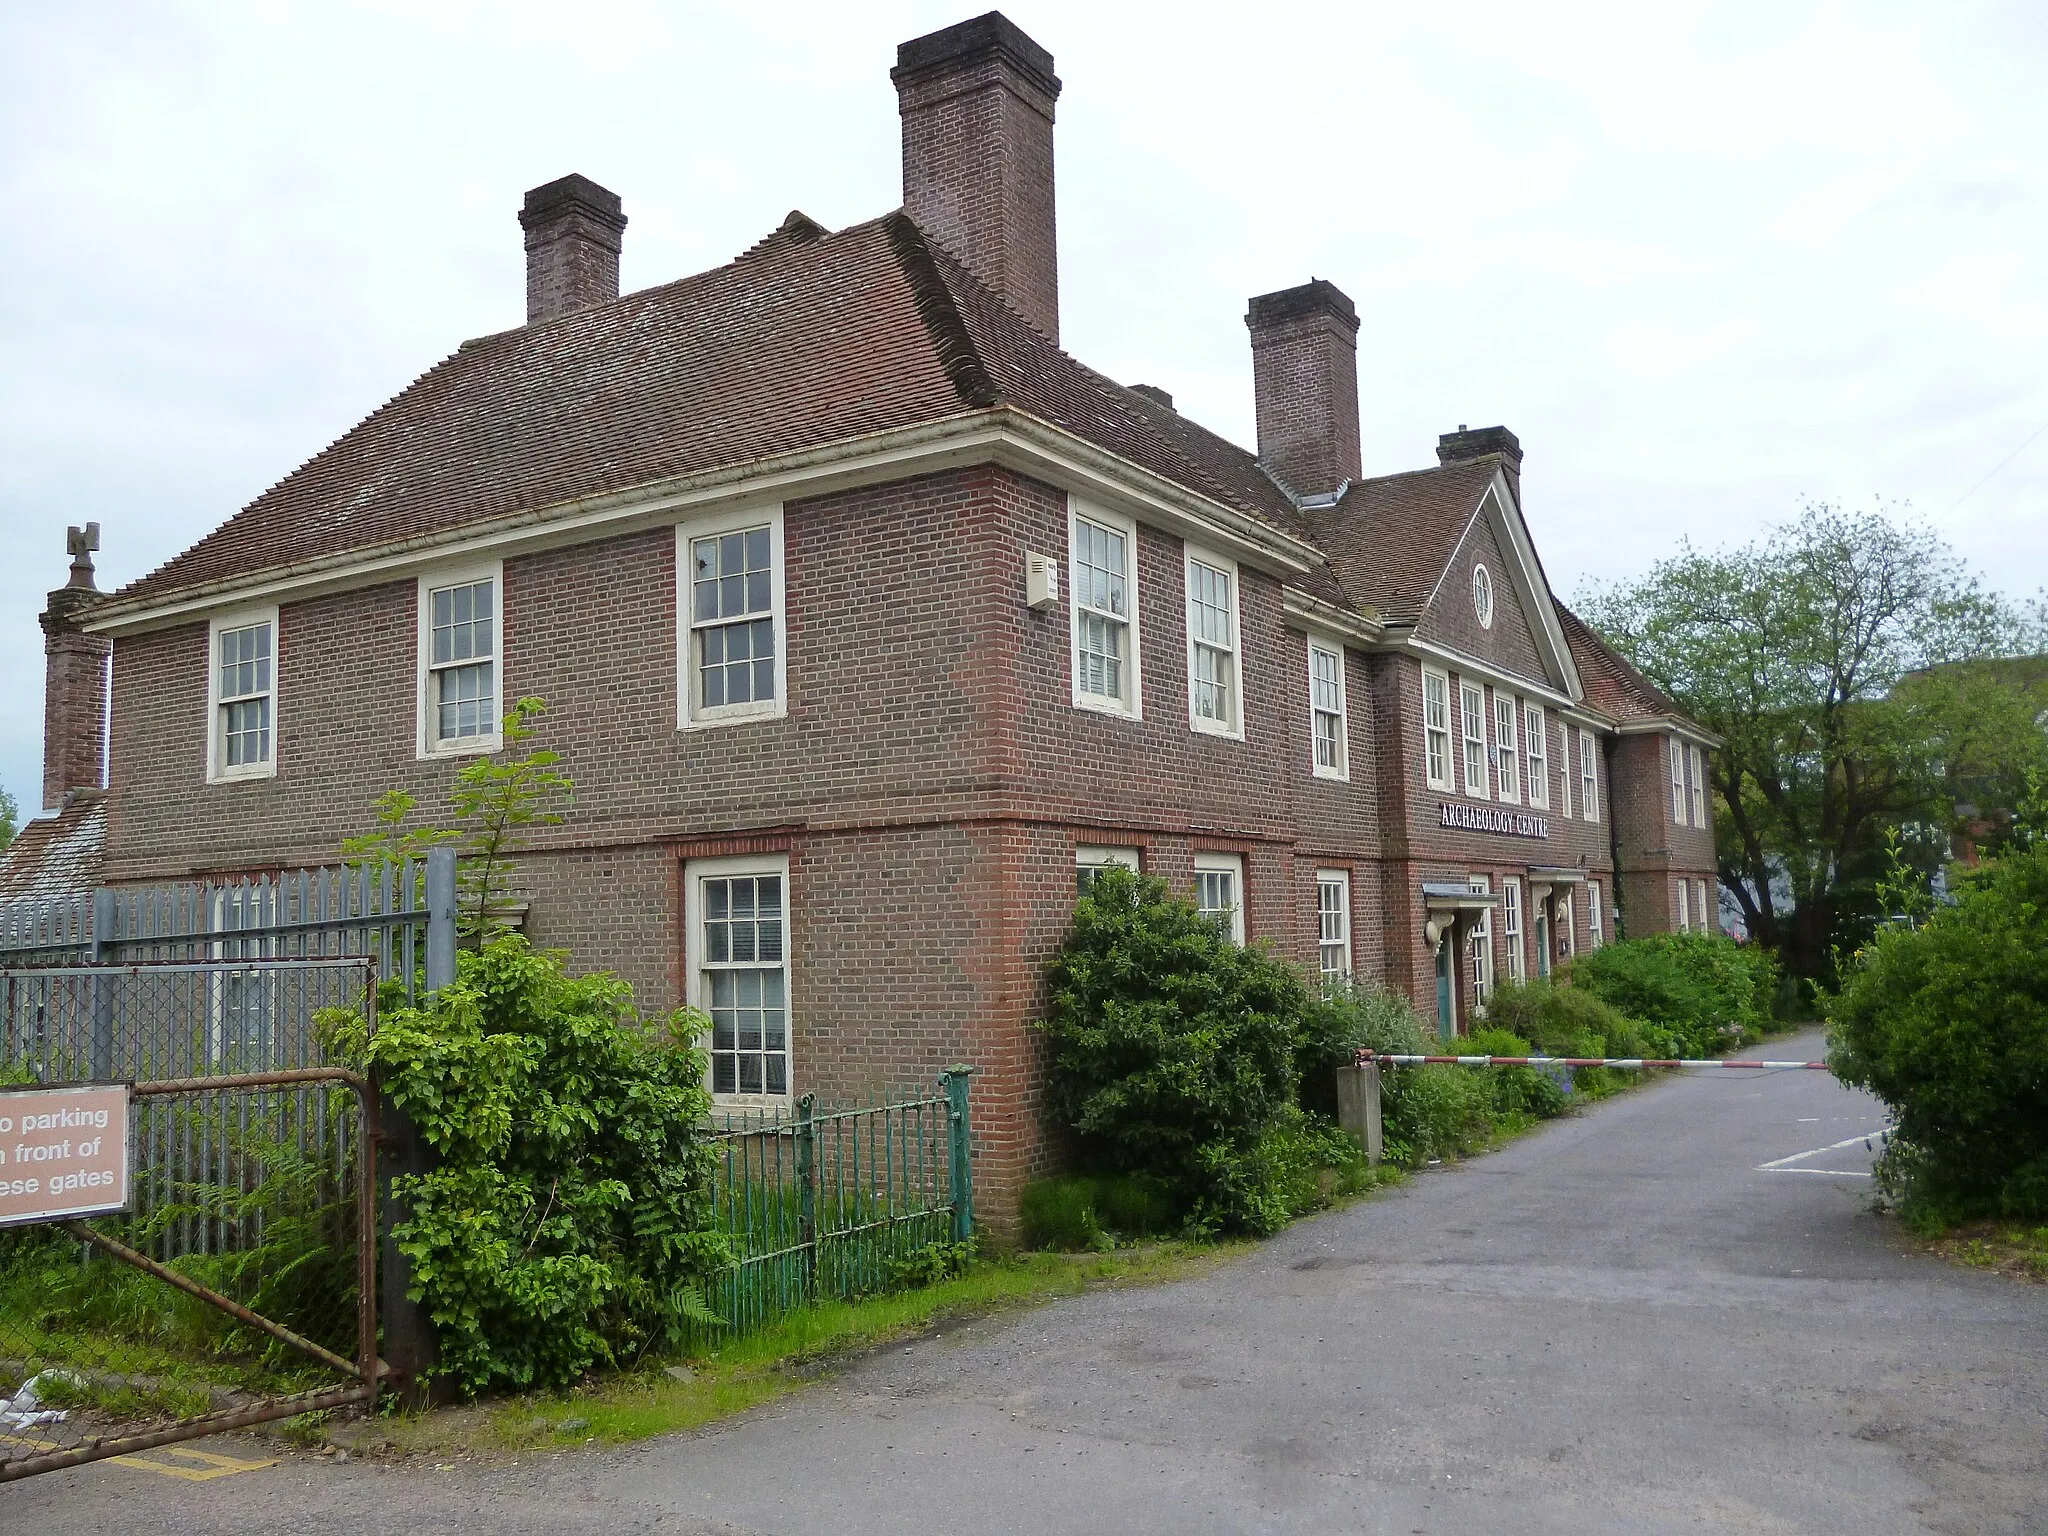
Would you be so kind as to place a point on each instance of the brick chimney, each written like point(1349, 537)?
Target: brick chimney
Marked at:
point(74, 680)
point(1469, 444)
point(976, 101)
point(1305, 383)
point(573, 229)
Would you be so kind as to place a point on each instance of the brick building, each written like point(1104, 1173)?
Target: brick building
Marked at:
point(869, 621)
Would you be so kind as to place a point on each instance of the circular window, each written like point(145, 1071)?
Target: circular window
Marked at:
point(1482, 595)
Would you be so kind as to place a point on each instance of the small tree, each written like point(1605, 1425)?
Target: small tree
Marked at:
point(1173, 1050)
point(495, 800)
point(10, 818)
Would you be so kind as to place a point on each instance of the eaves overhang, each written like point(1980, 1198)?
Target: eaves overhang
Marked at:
point(1001, 435)
point(1669, 725)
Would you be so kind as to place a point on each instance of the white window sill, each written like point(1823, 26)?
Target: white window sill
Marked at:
point(1109, 707)
point(1334, 775)
point(243, 775)
point(732, 715)
point(1440, 786)
point(1213, 728)
point(772, 1103)
point(467, 746)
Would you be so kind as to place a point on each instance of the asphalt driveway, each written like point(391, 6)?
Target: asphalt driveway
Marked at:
point(1671, 1314)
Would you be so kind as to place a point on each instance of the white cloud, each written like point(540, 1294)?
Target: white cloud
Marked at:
point(1704, 259)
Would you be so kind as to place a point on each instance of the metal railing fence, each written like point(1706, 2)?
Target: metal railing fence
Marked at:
point(400, 913)
point(825, 1205)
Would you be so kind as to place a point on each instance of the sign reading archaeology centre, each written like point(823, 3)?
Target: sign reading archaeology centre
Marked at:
point(63, 1153)
point(1491, 818)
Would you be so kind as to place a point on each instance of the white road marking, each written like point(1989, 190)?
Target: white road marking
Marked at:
point(1778, 1165)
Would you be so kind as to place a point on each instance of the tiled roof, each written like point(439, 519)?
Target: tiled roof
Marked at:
point(56, 855)
point(1612, 686)
point(808, 338)
point(1390, 538)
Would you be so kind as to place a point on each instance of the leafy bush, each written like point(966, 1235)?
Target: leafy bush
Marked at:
point(1708, 993)
point(1173, 1049)
point(1535, 1092)
point(1338, 1025)
point(569, 1222)
point(1564, 1020)
point(1084, 1211)
point(1948, 1024)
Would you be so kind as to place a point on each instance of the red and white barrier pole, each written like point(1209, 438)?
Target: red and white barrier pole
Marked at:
point(1578, 1061)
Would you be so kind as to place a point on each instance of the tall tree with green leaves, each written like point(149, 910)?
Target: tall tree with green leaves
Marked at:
point(1839, 658)
point(10, 818)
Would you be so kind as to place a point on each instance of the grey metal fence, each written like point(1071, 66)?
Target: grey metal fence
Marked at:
point(209, 1169)
point(399, 913)
point(252, 1165)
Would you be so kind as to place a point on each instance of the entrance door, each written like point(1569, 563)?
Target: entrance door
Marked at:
point(1446, 970)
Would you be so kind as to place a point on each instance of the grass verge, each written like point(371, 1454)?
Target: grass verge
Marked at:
point(769, 1362)
point(2015, 1248)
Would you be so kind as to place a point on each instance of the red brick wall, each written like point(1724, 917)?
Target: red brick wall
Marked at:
point(74, 701)
point(1656, 850)
point(929, 784)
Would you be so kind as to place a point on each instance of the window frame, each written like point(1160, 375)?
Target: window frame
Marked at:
point(429, 748)
point(217, 769)
point(1676, 754)
point(691, 715)
point(697, 994)
point(1589, 775)
point(1131, 704)
point(1482, 581)
point(1479, 948)
point(1511, 929)
point(1467, 691)
point(1696, 787)
point(1536, 754)
point(1342, 771)
point(1446, 780)
point(1681, 913)
point(1193, 555)
point(1596, 920)
point(1507, 755)
point(1338, 880)
point(1090, 858)
point(1207, 863)
point(1699, 901)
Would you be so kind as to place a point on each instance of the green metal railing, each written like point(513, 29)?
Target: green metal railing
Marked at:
point(826, 1205)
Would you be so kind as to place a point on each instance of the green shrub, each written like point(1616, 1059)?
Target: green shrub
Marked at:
point(1173, 1048)
point(1564, 1020)
point(1948, 1024)
point(1336, 1026)
point(1705, 992)
point(568, 1223)
point(1535, 1092)
point(1434, 1112)
point(1083, 1211)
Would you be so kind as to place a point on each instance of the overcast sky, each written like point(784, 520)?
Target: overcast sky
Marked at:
point(1707, 260)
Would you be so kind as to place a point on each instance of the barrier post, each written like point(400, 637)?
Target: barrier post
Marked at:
point(1358, 1107)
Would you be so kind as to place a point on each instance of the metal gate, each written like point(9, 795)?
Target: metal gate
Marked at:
point(237, 1282)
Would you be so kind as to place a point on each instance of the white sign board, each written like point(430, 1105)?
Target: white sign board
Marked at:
point(63, 1153)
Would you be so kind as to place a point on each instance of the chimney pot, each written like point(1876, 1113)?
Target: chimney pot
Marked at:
point(976, 100)
point(1153, 393)
point(1465, 445)
point(573, 231)
point(74, 679)
point(1305, 382)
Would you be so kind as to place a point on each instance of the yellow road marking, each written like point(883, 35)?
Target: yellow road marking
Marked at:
point(211, 1465)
